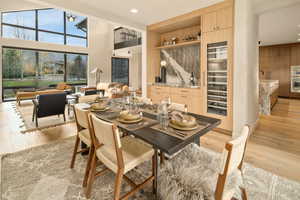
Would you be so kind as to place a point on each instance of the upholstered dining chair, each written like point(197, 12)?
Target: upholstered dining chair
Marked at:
point(230, 167)
point(83, 131)
point(120, 155)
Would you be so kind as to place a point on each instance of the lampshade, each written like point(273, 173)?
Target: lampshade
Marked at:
point(163, 63)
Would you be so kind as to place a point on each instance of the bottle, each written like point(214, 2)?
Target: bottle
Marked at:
point(192, 79)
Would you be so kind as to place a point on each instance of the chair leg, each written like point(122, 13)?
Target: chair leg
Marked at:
point(33, 114)
point(92, 174)
point(36, 121)
point(74, 152)
point(244, 193)
point(118, 184)
point(153, 173)
point(162, 158)
point(64, 117)
point(88, 167)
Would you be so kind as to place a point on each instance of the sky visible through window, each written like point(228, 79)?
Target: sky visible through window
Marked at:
point(50, 28)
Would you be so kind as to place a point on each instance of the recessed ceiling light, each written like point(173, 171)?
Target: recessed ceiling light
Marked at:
point(299, 34)
point(299, 39)
point(134, 10)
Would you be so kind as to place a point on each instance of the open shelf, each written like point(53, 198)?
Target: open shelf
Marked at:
point(180, 44)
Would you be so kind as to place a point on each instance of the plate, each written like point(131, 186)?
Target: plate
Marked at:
point(183, 128)
point(101, 110)
point(129, 121)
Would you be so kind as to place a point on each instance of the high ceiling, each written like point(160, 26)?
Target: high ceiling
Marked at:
point(150, 11)
point(118, 11)
point(280, 26)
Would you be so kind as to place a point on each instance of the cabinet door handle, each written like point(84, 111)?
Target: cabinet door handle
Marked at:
point(203, 79)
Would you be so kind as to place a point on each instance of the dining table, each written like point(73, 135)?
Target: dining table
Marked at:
point(168, 141)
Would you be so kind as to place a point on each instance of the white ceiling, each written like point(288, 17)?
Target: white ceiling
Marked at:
point(150, 11)
point(118, 11)
point(280, 26)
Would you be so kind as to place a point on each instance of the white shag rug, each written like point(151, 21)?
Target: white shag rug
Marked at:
point(43, 173)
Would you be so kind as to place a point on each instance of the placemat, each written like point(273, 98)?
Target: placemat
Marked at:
point(183, 135)
point(112, 116)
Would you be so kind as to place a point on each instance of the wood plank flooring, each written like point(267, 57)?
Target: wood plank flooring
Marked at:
point(274, 153)
point(275, 144)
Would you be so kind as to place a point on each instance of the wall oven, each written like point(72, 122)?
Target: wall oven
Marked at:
point(295, 79)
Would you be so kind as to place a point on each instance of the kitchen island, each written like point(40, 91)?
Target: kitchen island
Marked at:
point(268, 95)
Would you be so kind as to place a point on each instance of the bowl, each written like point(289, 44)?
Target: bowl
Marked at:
point(126, 115)
point(187, 121)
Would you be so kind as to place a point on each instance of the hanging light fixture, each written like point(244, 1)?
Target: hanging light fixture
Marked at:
point(71, 18)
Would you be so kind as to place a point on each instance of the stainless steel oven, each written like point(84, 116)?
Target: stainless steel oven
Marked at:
point(295, 79)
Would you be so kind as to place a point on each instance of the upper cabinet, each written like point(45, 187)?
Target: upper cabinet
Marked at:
point(217, 20)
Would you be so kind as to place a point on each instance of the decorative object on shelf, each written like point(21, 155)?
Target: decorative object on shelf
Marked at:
point(163, 71)
point(199, 36)
point(174, 40)
point(97, 71)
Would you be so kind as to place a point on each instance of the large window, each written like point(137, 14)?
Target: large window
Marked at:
point(25, 69)
point(46, 25)
point(120, 70)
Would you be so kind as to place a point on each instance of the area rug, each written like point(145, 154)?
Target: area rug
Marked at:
point(24, 112)
point(43, 173)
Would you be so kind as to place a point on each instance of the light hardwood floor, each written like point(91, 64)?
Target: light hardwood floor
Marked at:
point(275, 144)
point(275, 154)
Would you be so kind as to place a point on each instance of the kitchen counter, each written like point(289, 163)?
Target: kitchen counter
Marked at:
point(174, 85)
point(268, 95)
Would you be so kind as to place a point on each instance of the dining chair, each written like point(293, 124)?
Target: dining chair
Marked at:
point(120, 155)
point(178, 106)
point(232, 160)
point(230, 166)
point(83, 133)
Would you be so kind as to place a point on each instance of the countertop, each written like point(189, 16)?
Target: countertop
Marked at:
point(174, 85)
point(269, 85)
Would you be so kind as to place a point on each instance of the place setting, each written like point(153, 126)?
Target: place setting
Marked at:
point(179, 124)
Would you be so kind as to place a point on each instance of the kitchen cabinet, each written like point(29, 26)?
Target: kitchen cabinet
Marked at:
point(217, 76)
point(188, 96)
point(217, 20)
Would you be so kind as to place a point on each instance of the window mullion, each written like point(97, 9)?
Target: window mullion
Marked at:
point(65, 28)
point(36, 26)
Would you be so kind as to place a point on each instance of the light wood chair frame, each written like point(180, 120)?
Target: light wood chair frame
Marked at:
point(219, 192)
point(77, 141)
point(92, 163)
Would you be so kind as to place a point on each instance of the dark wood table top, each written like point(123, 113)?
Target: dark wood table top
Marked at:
point(165, 142)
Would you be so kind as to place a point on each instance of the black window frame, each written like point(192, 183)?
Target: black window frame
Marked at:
point(37, 64)
point(114, 57)
point(37, 30)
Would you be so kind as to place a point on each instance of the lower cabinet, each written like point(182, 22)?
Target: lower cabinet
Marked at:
point(190, 97)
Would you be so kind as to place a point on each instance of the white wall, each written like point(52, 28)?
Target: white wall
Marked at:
point(245, 94)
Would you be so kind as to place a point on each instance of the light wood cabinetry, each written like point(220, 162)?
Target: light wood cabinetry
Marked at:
point(217, 20)
point(217, 65)
point(188, 96)
point(216, 25)
point(275, 64)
